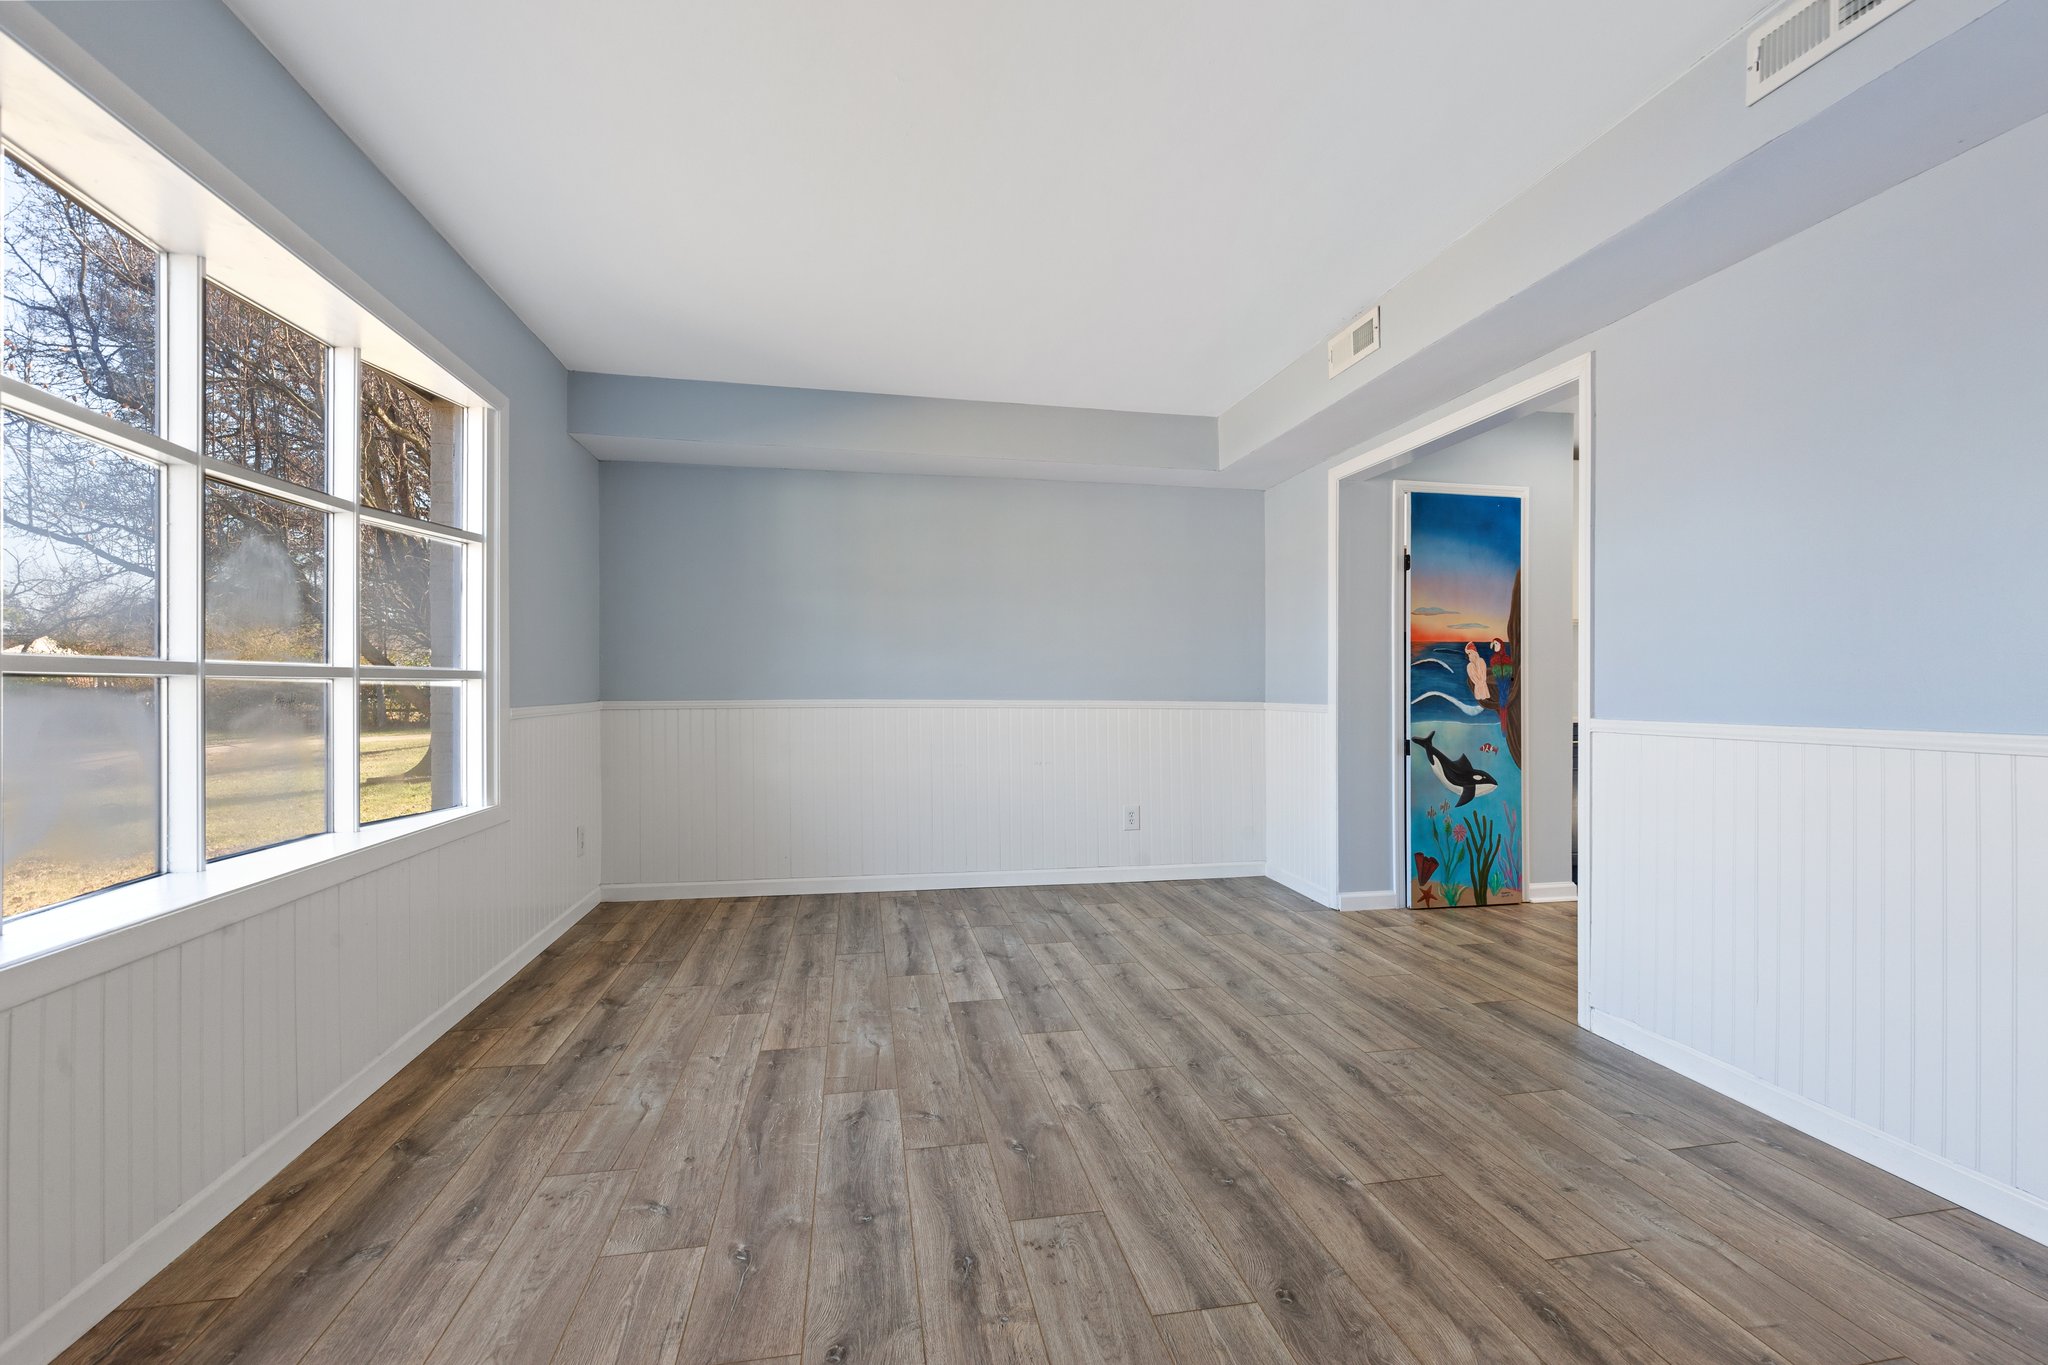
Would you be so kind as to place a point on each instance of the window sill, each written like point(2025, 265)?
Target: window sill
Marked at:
point(51, 949)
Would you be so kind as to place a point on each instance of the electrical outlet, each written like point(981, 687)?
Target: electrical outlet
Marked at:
point(1131, 817)
point(579, 841)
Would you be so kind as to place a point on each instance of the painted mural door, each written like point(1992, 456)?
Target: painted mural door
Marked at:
point(1464, 769)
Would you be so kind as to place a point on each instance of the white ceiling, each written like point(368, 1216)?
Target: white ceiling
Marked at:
point(1150, 205)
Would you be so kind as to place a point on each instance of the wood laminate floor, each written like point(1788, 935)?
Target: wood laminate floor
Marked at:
point(1196, 1123)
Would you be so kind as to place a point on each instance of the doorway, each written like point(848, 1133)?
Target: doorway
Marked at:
point(1372, 647)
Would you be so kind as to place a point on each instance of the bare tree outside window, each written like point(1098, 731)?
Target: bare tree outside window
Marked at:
point(81, 302)
point(411, 453)
point(266, 392)
point(411, 600)
point(79, 545)
point(80, 541)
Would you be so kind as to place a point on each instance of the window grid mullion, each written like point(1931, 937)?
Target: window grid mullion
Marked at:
point(3, 521)
point(177, 447)
point(487, 512)
point(344, 571)
point(422, 530)
point(55, 410)
point(181, 562)
point(278, 490)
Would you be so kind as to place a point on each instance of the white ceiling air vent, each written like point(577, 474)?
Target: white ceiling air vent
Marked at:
point(1359, 339)
point(1802, 33)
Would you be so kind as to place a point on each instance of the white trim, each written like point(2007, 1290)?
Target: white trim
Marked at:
point(1534, 394)
point(1400, 807)
point(1540, 893)
point(1937, 740)
point(1301, 888)
point(1067, 876)
point(72, 1316)
point(55, 410)
point(94, 666)
point(412, 526)
point(933, 881)
point(230, 670)
point(402, 674)
point(1489, 409)
point(47, 950)
point(492, 427)
point(284, 490)
point(181, 570)
point(344, 608)
point(564, 708)
point(2024, 1213)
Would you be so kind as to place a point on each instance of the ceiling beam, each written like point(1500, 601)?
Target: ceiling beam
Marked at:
point(1688, 185)
point(686, 421)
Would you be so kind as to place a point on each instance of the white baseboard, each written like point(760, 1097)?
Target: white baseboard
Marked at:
point(927, 881)
point(48, 1334)
point(1300, 887)
point(2024, 1213)
point(1548, 892)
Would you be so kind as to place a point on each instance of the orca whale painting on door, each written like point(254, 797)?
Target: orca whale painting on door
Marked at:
point(1464, 769)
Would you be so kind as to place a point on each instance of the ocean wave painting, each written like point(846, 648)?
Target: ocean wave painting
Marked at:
point(1440, 706)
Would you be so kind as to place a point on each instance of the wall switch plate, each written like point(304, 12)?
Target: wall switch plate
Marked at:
point(1131, 814)
point(579, 841)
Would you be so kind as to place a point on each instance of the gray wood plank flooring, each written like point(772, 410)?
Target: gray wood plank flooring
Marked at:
point(1202, 1123)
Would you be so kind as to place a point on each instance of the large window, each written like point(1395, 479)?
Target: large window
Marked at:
point(241, 567)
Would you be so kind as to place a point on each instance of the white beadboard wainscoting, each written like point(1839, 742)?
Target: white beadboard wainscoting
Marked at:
point(143, 1102)
point(1301, 800)
point(1843, 928)
point(764, 798)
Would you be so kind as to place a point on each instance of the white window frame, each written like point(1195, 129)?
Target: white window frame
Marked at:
point(113, 925)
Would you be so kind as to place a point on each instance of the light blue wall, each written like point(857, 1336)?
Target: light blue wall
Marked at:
point(1823, 474)
point(198, 67)
point(756, 583)
point(1819, 475)
point(1534, 453)
point(1297, 588)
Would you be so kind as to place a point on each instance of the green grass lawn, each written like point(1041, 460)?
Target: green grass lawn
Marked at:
point(258, 792)
point(386, 792)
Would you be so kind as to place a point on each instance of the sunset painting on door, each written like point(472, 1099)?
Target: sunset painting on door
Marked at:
point(1464, 699)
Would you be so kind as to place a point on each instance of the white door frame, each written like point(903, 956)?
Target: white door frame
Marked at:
point(1482, 412)
point(1399, 768)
